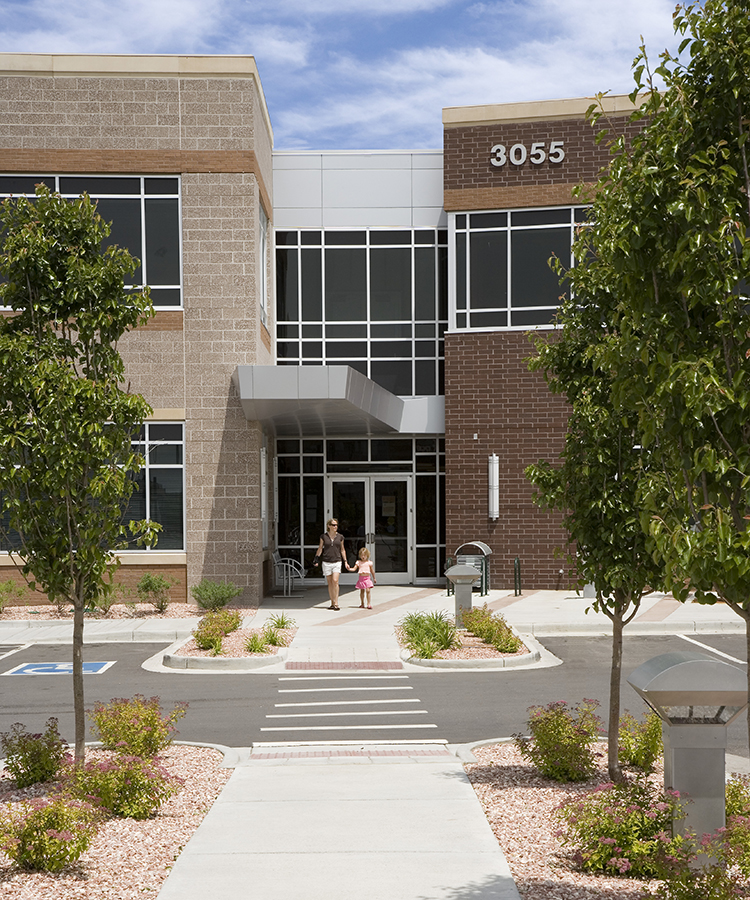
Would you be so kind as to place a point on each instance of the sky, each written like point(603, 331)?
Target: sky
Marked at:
point(369, 74)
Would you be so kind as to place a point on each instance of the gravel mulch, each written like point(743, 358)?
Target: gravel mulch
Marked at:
point(127, 859)
point(118, 611)
point(233, 644)
point(518, 803)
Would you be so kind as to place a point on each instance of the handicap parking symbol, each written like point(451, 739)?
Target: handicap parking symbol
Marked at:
point(58, 668)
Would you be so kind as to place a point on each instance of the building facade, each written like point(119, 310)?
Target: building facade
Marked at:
point(336, 333)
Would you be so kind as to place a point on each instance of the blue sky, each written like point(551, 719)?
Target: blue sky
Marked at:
point(368, 74)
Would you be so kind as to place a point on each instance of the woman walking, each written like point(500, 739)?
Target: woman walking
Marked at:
point(332, 554)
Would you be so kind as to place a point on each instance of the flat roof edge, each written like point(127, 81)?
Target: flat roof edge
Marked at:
point(114, 64)
point(534, 110)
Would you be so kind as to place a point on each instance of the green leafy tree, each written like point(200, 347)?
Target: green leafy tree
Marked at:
point(664, 265)
point(595, 484)
point(66, 460)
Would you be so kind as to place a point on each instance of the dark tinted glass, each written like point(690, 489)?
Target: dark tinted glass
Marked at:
point(312, 446)
point(390, 348)
point(426, 499)
point(312, 349)
point(489, 270)
point(165, 501)
point(425, 445)
point(165, 432)
point(424, 283)
point(583, 214)
point(286, 238)
point(311, 237)
point(489, 220)
point(346, 331)
point(345, 349)
point(165, 296)
point(390, 284)
point(287, 331)
point(461, 221)
point(442, 292)
point(286, 285)
point(391, 330)
point(312, 464)
point(125, 216)
point(461, 271)
point(424, 348)
point(384, 451)
point(532, 316)
point(314, 510)
point(424, 237)
point(488, 320)
point(443, 236)
point(390, 237)
point(541, 217)
point(165, 455)
point(312, 286)
point(346, 285)
point(342, 238)
point(96, 186)
point(533, 281)
point(287, 349)
point(346, 451)
point(312, 331)
point(135, 510)
point(289, 511)
point(283, 445)
point(23, 184)
point(162, 242)
point(161, 186)
point(427, 562)
point(394, 376)
point(288, 465)
point(424, 330)
point(461, 320)
point(424, 374)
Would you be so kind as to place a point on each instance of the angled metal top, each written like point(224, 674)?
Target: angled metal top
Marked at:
point(330, 400)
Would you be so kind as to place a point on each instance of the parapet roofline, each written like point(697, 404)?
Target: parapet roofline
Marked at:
point(535, 110)
point(125, 65)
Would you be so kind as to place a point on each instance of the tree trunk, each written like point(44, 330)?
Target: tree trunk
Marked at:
point(78, 703)
point(613, 728)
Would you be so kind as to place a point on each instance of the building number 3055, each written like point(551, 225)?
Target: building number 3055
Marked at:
point(518, 153)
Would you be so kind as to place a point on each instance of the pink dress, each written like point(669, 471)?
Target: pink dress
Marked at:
point(364, 568)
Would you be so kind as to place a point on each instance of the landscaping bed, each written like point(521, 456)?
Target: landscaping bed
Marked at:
point(233, 645)
point(128, 859)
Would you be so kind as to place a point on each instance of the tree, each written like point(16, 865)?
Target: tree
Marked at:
point(666, 260)
point(66, 458)
point(596, 485)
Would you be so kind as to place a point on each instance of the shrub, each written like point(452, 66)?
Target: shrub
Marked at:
point(491, 628)
point(154, 589)
point(709, 883)
point(623, 829)
point(640, 742)
point(737, 795)
point(128, 786)
point(32, 758)
point(257, 642)
point(212, 628)
point(101, 605)
point(281, 621)
point(420, 631)
point(213, 594)
point(47, 835)
point(11, 594)
point(274, 638)
point(561, 740)
point(135, 727)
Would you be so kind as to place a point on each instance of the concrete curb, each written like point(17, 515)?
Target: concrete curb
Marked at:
point(223, 664)
point(533, 658)
point(643, 628)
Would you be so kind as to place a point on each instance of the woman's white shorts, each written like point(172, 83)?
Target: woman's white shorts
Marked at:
point(330, 568)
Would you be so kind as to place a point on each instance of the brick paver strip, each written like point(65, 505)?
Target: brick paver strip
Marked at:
point(344, 665)
point(660, 611)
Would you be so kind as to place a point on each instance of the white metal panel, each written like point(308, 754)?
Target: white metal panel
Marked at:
point(300, 188)
point(427, 187)
point(367, 188)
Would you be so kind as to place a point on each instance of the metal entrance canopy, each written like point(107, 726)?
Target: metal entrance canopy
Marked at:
point(330, 400)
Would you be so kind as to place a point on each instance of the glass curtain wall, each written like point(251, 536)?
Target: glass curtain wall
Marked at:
point(373, 300)
point(503, 276)
point(304, 465)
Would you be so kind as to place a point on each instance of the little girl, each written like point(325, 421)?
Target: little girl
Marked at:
point(366, 580)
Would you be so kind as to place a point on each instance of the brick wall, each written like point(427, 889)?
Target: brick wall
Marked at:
point(472, 182)
point(490, 392)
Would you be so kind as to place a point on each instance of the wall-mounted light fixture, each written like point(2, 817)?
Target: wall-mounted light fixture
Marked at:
point(493, 499)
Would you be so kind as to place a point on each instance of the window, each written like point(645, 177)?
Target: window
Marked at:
point(263, 266)
point(145, 217)
point(503, 277)
point(374, 300)
point(160, 485)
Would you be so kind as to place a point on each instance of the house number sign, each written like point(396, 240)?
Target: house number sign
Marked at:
point(519, 153)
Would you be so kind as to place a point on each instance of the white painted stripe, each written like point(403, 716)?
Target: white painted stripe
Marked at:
point(351, 677)
point(371, 712)
point(347, 727)
point(351, 702)
point(712, 649)
point(17, 650)
point(339, 690)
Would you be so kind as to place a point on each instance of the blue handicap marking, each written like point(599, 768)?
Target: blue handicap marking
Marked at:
point(58, 668)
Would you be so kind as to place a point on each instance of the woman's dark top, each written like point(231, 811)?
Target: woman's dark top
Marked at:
point(332, 548)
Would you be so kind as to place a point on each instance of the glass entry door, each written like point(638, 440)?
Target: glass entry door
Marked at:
point(375, 512)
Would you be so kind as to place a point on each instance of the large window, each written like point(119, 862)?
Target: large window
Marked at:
point(145, 217)
point(502, 274)
point(374, 300)
point(160, 485)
